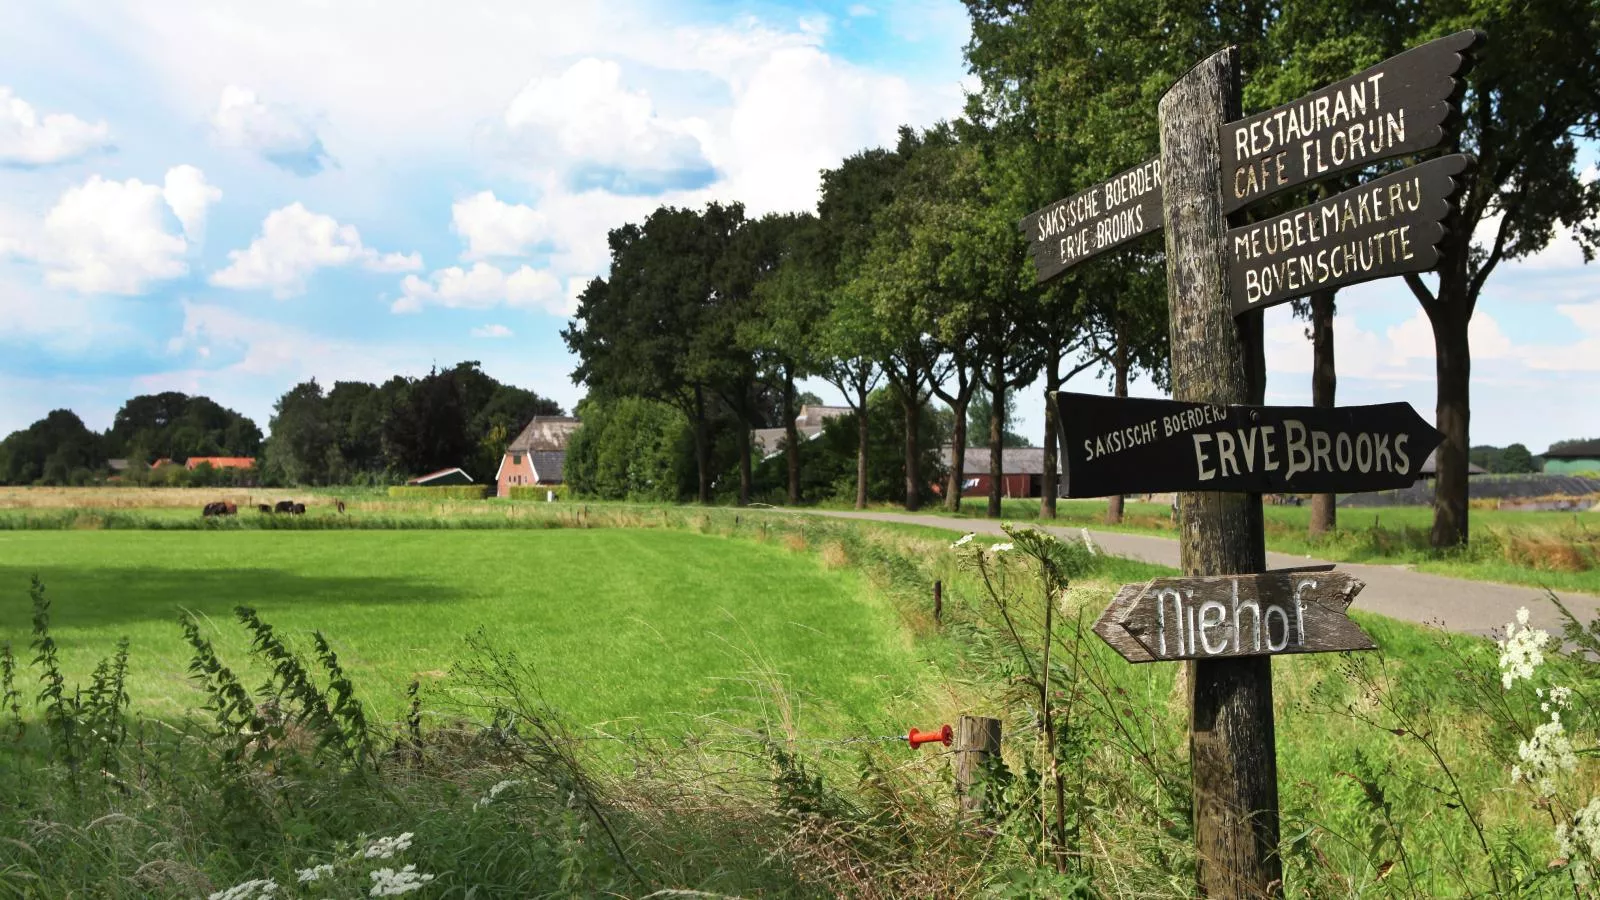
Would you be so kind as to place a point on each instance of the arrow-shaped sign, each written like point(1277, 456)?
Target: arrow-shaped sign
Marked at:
point(1385, 227)
point(1123, 445)
point(1397, 107)
point(1216, 616)
point(1107, 215)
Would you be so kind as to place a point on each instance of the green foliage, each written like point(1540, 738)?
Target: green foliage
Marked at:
point(1511, 460)
point(10, 697)
point(538, 492)
point(978, 413)
point(439, 492)
point(828, 463)
point(176, 426)
point(630, 448)
point(58, 449)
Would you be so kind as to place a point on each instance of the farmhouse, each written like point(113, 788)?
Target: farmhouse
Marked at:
point(1022, 472)
point(1430, 467)
point(1583, 456)
point(441, 478)
point(537, 456)
point(768, 441)
point(221, 462)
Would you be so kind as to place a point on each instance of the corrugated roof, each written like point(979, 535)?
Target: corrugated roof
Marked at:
point(1430, 466)
point(1013, 460)
point(545, 433)
point(434, 476)
point(1580, 450)
point(549, 466)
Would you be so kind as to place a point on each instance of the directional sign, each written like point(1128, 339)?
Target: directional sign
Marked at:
point(1385, 227)
point(1216, 616)
point(1121, 445)
point(1114, 212)
point(1398, 106)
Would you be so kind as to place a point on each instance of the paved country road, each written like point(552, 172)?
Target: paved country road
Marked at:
point(1473, 607)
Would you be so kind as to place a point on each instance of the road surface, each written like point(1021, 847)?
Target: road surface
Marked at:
point(1471, 607)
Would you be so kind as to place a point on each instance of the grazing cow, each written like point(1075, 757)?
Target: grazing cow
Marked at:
point(299, 509)
point(262, 507)
point(284, 506)
point(340, 505)
point(219, 509)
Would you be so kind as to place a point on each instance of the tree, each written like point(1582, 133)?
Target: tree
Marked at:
point(177, 426)
point(1517, 460)
point(297, 452)
point(981, 409)
point(631, 448)
point(56, 449)
point(427, 429)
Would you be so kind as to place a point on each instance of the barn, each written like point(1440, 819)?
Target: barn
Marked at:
point(1022, 471)
point(1583, 456)
point(441, 478)
point(537, 456)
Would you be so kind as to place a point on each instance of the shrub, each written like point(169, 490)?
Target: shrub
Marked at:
point(537, 491)
point(441, 492)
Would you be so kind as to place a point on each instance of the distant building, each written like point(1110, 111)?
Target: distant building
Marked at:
point(441, 478)
point(1430, 467)
point(117, 465)
point(538, 455)
point(1022, 472)
point(221, 462)
point(769, 441)
point(1583, 456)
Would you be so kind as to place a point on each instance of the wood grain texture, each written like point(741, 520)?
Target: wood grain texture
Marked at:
point(1232, 746)
point(1271, 613)
point(977, 739)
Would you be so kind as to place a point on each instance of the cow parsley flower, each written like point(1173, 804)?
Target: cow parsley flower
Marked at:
point(389, 883)
point(315, 873)
point(386, 848)
point(961, 541)
point(1001, 548)
point(1580, 842)
point(254, 889)
point(1543, 756)
point(495, 792)
point(1522, 650)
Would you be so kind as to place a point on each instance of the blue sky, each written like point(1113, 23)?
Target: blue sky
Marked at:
point(228, 197)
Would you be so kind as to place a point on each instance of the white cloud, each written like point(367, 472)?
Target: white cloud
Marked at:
point(493, 228)
point(596, 132)
point(277, 134)
point(294, 243)
point(27, 139)
point(861, 9)
point(188, 194)
point(481, 287)
point(492, 331)
point(1580, 356)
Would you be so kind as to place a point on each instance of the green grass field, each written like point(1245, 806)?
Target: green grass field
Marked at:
point(638, 629)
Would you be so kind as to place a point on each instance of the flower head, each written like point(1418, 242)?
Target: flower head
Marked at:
point(386, 848)
point(1580, 842)
point(1001, 548)
point(1522, 651)
point(254, 889)
point(389, 883)
point(960, 541)
point(315, 873)
point(495, 792)
point(1546, 754)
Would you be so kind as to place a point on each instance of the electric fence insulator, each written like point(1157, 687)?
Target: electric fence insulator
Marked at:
point(945, 735)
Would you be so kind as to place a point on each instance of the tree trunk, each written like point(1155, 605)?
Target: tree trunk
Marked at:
point(913, 416)
point(744, 463)
point(702, 446)
point(1324, 507)
point(791, 437)
point(1454, 369)
point(997, 431)
point(958, 457)
point(1049, 485)
point(861, 445)
point(1119, 363)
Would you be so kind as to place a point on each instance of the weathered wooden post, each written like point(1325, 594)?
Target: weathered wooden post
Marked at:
point(1232, 747)
point(938, 602)
point(977, 739)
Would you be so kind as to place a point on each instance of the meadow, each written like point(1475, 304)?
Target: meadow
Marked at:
point(670, 700)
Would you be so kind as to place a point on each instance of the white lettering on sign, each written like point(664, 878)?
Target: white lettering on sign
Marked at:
point(1132, 436)
point(1103, 216)
point(1213, 628)
point(1261, 448)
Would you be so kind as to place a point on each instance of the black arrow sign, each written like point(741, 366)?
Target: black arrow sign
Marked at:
point(1107, 215)
point(1398, 106)
point(1385, 227)
point(1119, 445)
point(1216, 616)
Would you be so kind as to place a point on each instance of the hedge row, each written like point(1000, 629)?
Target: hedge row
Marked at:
point(537, 491)
point(440, 492)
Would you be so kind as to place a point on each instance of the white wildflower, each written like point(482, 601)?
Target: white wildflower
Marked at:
point(1522, 650)
point(1544, 755)
point(495, 792)
point(1580, 843)
point(253, 889)
point(960, 541)
point(1001, 548)
point(389, 883)
point(1561, 697)
point(386, 848)
point(315, 873)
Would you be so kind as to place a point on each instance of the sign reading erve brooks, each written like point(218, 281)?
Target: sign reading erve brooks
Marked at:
point(1118, 445)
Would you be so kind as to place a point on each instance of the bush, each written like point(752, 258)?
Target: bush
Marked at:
point(537, 491)
point(441, 492)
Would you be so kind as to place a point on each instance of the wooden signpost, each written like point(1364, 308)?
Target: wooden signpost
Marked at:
point(1214, 442)
point(1389, 226)
point(1124, 445)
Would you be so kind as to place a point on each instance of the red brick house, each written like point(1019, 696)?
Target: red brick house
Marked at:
point(221, 462)
point(537, 456)
point(1022, 471)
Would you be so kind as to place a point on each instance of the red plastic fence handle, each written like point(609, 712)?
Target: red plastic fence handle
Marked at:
point(944, 735)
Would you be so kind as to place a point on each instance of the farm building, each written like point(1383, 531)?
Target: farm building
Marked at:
point(1583, 456)
point(769, 441)
point(537, 456)
point(1022, 472)
point(441, 478)
point(221, 462)
point(1430, 467)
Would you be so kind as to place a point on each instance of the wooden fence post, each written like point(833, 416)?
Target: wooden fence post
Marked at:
point(977, 739)
point(938, 602)
point(1216, 360)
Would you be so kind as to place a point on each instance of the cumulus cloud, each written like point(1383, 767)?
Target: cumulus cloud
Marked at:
point(586, 124)
point(114, 237)
point(279, 135)
point(29, 140)
point(294, 243)
point(482, 287)
point(492, 331)
point(494, 228)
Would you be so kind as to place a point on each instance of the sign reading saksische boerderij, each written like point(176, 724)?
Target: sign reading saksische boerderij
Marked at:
point(1398, 106)
point(1111, 213)
point(1121, 445)
point(1388, 226)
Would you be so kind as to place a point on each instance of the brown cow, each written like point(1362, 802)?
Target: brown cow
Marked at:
point(299, 509)
point(219, 509)
point(284, 506)
point(340, 505)
point(262, 507)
